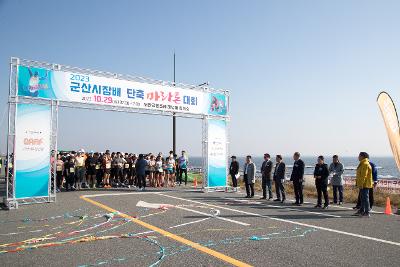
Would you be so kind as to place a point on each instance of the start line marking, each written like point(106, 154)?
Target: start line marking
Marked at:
point(182, 208)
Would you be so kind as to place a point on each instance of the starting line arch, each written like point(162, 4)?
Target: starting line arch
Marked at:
point(38, 89)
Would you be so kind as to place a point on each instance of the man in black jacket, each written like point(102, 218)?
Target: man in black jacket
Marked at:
point(279, 179)
point(233, 171)
point(321, 174)
point(266, 170)
point(297, 178)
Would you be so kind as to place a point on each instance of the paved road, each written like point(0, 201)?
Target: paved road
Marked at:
point(226, 228)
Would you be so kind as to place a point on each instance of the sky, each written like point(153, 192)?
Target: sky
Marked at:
point(303, 75)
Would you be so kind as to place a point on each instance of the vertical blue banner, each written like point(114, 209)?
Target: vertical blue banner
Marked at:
point(32, 150)
point(217, 154)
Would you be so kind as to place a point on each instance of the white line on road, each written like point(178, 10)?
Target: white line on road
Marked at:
point(216, 217)
point(291, 222)
point(282, 207)
point(183, 224)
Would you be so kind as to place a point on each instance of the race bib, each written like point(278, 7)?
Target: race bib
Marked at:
point(97, 167)
point(71, 170)
point(59, 168)
point(126, 166)
point(108, 165)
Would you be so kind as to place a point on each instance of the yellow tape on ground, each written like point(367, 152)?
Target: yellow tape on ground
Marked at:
point(182, 240)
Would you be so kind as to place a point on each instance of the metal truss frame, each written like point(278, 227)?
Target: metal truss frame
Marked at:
point(10, 199)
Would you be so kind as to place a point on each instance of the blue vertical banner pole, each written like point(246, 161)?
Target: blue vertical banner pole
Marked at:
point(32, 150)
point(217, 153)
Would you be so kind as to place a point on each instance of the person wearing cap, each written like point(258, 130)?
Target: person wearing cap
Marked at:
point(321, 174)
point(297, 178)
point(249, 176)
point(279, 179)
point(364, 182)
point(266, 171)
point(233, 172)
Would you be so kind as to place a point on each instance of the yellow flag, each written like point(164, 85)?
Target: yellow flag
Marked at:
point(391, 121)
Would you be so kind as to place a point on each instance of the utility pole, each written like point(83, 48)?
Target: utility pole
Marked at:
point(174, 121)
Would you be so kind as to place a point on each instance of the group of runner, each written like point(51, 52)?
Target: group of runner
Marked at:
point(77, 170)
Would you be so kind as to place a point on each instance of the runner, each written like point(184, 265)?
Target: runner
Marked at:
point(80, 169)
point(107, 169)
point(159, 171)
point(70, 168)
point(133, 171)
point(127, 169)
point(170, 170)
point(59, 173)
point(183, 163)
point(91, 169)
point(119, 162)
point(147, 169)
point(152, 169)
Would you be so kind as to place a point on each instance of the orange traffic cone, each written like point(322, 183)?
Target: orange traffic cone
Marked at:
point(388, 209)
point(195, 182)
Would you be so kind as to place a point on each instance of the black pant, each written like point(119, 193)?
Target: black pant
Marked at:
point(141, 180)
point(250, 189)
point(335, 190)
point(181, 171)
point(322, 188)
point(234, 180)
point(266, 182)
point(298, 191)
point(119, 175)
point(371, 198)
point(59, 179)
point(70, 180)
point(280, 189)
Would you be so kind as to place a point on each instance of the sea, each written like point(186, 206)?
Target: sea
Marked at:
point(386, 166)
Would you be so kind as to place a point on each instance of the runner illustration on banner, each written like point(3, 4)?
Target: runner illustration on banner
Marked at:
point(34, 81)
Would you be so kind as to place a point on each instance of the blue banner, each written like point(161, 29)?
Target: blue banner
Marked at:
point(32, 150)
point(91, 89)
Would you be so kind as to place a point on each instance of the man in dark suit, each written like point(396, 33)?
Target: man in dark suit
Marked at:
point(266, 171)
point(279, 179)
point(233, 172)
point(297, 178)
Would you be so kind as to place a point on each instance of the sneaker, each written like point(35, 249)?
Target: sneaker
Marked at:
point(325, 207)
point(263, 198)
point(356, 208)
point(276, 200)
point(340, 203)
point(317, 206)
point(365, 215)
point(270, 198)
